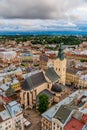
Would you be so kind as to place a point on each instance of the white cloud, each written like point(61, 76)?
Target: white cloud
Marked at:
point(79, 13)
point(28, 25)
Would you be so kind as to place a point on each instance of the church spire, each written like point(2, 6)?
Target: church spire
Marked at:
point(60, 55)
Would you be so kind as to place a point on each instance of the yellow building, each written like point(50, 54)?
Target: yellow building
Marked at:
point(73, 79)
point(15, 84)
point(60, 65)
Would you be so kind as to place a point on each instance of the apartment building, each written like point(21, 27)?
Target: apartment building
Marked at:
point(11, 116)
point(63, 115)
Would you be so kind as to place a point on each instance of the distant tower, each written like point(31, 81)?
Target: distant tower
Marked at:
point(60, 65)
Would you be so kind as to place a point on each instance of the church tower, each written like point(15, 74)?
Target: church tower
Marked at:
point(60, 65)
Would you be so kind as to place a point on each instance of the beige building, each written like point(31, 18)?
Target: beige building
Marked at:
point(61, 117)
point(43, 61)
point(46, 124)
point(60, 65)
point(34, 84)
point(49, 81)
point(8, 58)
point(76, 78)
point(11, 116)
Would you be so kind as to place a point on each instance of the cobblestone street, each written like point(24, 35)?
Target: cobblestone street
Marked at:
point(35, 119)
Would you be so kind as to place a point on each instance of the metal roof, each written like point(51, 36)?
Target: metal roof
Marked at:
point(51, 74)
point(33, 81)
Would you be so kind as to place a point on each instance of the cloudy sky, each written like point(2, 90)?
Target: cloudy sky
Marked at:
point(42, 14)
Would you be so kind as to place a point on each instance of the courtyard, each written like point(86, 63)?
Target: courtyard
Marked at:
point(34, 117)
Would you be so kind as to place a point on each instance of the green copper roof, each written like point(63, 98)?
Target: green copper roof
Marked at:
point(60, 55)
point(10, 91)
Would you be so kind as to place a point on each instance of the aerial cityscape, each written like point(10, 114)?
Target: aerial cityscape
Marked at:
point(43, 65)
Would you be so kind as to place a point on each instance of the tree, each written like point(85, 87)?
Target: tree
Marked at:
point(43, 103)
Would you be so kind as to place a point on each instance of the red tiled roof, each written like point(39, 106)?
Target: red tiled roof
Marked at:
point(6, 99)
point(74, 124)
point(84, 118)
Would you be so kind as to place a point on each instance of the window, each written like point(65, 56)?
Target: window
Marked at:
point(28, 99)
point(57, 126)
point(35, 92)
point(48, 86)
point(5, 123)
point(60, 128)
point(9, 126)
point(6, 128)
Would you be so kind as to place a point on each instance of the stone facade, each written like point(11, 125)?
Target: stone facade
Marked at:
point(28, 98)
point(60, 68)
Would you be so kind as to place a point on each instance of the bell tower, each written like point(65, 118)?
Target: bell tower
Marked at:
point(60, 65)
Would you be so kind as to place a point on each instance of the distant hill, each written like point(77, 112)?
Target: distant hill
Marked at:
point(78, 33)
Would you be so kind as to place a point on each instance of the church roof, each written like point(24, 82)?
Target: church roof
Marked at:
point(51, 74)
point(57, 87)
point(33, 81)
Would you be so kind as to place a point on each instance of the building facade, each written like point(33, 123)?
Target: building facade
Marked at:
point(11, 116)
point(60, 65)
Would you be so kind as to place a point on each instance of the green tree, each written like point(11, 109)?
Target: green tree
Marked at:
point(43, 103)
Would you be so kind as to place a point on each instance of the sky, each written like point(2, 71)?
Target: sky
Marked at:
point(28, 15)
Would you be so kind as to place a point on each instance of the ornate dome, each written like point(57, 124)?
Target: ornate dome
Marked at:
point(57, 88)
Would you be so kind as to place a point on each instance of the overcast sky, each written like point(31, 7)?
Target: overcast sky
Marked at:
point(38, 14)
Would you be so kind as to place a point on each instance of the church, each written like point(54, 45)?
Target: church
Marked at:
point(50, 81)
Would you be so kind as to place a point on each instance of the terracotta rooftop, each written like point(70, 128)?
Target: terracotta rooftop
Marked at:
point(84, 118)
point(74, 124)
point(2, 108)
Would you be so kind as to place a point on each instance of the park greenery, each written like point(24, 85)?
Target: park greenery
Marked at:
point(45, 40)
point(43, 103)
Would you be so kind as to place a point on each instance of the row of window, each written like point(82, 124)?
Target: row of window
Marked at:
point(56, 126)
point(7, 128)
point(59, 69)
point(16, 86)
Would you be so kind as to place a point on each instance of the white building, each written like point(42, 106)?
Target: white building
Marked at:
point(11, 116)
point(60, 114)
